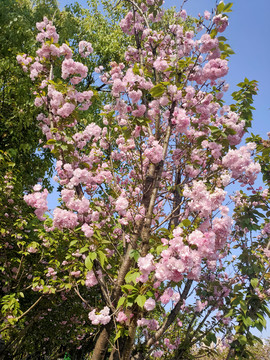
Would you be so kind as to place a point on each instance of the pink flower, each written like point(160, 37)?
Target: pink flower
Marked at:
point(183, 14)
point(121, 204)
point(158, 353)
point(207, 15)
point(88, 231)
point(121, 317)
point(51, 272)
point(215, 68)
point(221, 22)
point(71, 67)
point(102, 318)
point(39, 201)
point(160, 65)
point(85, 48)
point(66, 110)
point(64, 219)
point(200, 305)
point(166, 297)
point(32, 250)
point(91, 279)
point(76, 274)
point(155, 153)
point(66, 51)
point(139, 112)
point(150, 304)
point(135, 96)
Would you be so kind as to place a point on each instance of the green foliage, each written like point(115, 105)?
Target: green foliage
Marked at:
point(244, 100)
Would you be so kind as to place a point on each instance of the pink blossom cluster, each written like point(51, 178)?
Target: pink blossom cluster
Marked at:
point(129, 25)
point(201, 200)
point(221, 22)
point(158, 353)
point(266, 229)
point(128, 82)
point(160, 64)
point(121, 317)
point(121, 205)
point(231, 120)
point(38, 200)
point(79, 205)
point(51, 273)
point(155, 153)
point(180, 120)
point(47, 31)
point(241, 164)
point(87, 230)
point(169, 295)
point(91, 279)
point(207, 15)
point(48, 50)
point(214, 69)
point(145, 265)
point(85, 48)
point(64, 219)
point(102, 318)
point(149, 304)
point(24, 61)
point(208, 44)
point(71, 67)
point(151, 324)
point(200, 306)
point(185, 257)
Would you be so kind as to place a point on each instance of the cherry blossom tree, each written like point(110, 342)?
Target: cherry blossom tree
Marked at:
point(142, 234)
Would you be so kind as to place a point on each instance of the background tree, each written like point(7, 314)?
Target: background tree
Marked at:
point(24, 162)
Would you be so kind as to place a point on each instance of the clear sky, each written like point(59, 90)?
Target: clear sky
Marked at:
point(248, 35)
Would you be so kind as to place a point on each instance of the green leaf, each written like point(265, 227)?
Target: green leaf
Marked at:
point(84, 249)
point(73, 242)
point(92, 256)
point(258, 325)
point(134, 254)
point(227, 8)
point(243, 305)
point(220, 7)
point(128, 288)
point(230, 313)
point(118, 335)
point(242, 339)
point(157, 90)
point(140, 300)
point(186, 223)
point(213, 33)
point(263, 322)
point(51, 141)
point(222, 38)
point(121, 301)
point(132, 276)
point(160, 248)
point(247, 321)
point(88, 263)
point(254, 283)
point(102, 258)
point(211, 337)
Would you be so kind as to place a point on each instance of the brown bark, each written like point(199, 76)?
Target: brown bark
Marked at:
point(102, 343)
point(172, 316)
point(150, 192)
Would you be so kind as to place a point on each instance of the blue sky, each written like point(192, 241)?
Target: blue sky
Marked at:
point(248, 35)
